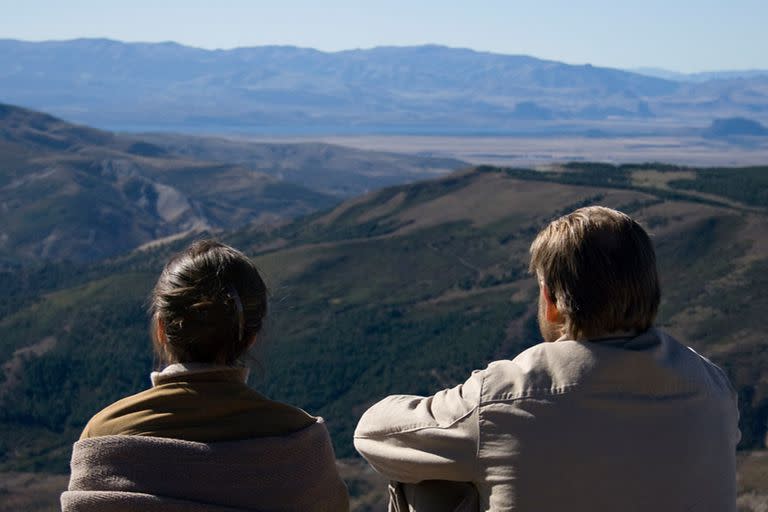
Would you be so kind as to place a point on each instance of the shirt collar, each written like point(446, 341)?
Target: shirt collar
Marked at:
point(176, 370)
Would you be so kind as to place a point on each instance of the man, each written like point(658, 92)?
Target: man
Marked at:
point(608, 414)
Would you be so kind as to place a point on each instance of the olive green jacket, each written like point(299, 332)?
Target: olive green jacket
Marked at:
point(198, 403)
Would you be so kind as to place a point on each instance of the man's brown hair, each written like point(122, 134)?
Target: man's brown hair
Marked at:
point(599, 268)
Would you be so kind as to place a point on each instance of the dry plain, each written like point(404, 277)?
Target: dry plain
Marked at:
point(535, 151)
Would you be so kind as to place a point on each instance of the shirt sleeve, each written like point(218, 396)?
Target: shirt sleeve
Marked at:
point(410, 438)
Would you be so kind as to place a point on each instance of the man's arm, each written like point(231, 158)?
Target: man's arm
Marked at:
point(410, 438)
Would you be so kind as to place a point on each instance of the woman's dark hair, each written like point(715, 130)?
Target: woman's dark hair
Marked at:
point(208, 305)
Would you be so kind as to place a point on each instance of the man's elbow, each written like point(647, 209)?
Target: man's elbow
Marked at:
point(386, 461)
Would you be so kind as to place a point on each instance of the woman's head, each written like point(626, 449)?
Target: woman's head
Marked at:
point(208, 305)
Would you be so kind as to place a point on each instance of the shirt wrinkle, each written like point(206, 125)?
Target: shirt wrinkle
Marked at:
point(415, 427)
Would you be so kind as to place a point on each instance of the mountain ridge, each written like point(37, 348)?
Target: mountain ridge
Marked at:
point(291, 90)
point(74, 192)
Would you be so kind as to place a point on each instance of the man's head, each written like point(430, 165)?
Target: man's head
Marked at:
point(597, 275)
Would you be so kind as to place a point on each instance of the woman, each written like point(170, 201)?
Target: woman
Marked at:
point(200, 438)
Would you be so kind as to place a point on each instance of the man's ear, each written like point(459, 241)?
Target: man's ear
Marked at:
point(550, 310)
point(160, 335)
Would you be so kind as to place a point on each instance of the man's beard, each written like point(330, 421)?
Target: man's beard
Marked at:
point(549, 331)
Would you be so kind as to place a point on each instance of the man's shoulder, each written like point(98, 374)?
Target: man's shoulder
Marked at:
point(651, 363)
point(701, 368)
point(543, 369)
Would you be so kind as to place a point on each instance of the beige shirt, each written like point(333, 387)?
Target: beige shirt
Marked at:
point(631, 424)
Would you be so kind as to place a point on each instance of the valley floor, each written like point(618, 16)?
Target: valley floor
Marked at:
point(527, 151)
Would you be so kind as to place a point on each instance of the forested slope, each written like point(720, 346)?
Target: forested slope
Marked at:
point(403, 290)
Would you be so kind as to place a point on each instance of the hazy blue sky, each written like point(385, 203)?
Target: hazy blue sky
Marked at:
point(683, 35)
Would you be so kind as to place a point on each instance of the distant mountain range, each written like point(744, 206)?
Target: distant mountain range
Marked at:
point(289, 90)
point(735, 127)
point(74, 192)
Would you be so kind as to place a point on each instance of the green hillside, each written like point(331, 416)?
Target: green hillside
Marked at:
point(70, 192)
point(404, 290)
point(73, 192)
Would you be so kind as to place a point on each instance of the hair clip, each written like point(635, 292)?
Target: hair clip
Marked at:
point(239, 307)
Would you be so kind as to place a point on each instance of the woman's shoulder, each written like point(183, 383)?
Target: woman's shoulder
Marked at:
point(198, 411)
point(115, 418)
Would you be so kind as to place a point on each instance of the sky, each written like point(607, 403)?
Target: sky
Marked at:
point(679, 35)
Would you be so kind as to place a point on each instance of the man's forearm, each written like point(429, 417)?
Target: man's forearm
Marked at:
point(411, 438)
